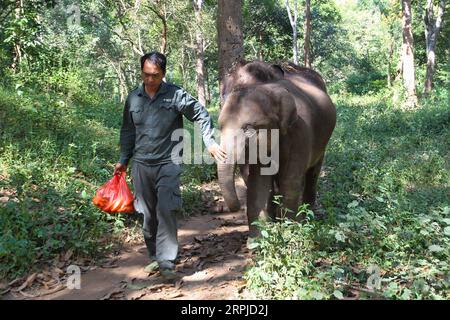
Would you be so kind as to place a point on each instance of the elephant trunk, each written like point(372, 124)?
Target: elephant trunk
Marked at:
point(226, 181)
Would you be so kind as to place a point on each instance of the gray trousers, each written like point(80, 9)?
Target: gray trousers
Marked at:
point(158, 198)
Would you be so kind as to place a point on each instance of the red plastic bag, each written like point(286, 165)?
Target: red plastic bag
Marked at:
point(115, 196)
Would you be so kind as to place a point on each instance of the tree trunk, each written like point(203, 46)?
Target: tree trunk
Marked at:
point(162, 16)
point(182, 67)
point(389, 63)
point(433, 25)
point(293, 16)
point(123, 92)
point(307, 45)
point(207, 82)
point(200, 56)
point(230, 38)
point(17, 50)
point(409, 78)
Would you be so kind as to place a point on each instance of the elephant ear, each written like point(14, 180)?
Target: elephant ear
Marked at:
point(278, 70)
point(287, 112)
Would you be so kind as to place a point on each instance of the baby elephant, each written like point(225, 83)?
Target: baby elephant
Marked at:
point(276, 121)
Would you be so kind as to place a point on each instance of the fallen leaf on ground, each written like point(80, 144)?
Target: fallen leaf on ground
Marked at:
point(109, 295)
point(5, 291)
point(200, 275)
point(110, 263)
point(198, 265)
point(54, 290)
point(88, 268)
point(198, 238)
point(241, 285)
point(179, 284)
point(57, 271)
point(175, 295)
point(137, 296)
point(27, 282)
point(27, 295)
point(110, 266)
point(43, 276)
point(12, 283)
point(157, 286)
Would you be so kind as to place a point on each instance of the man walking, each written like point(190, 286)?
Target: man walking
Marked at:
point(152, 112)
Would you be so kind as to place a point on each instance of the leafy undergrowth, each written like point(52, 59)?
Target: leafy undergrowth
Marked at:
point(385, 192)
point(53, 156)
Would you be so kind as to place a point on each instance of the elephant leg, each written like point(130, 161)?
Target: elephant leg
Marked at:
point(311, 178)
point(258, 191)
point(244, 169)
point(271, 206)
point(290, 203)
point(290, 193)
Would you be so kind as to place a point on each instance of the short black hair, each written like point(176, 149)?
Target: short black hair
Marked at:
point(156, 58)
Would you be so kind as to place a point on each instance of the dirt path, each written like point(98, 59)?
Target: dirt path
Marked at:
point(213, 256)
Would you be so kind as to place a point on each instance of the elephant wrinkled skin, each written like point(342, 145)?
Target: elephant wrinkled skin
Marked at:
point(293, 100)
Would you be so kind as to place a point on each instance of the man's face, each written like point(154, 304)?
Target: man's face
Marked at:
point(152, 75)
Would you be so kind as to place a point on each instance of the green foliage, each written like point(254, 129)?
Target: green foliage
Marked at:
point(363, 82)
point(53, 156)
point(385, 194)
point(285, 273)
point(330, 47)
point(267, 30)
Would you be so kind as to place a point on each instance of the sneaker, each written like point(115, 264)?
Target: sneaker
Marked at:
point(153, 266)
point(169, 274)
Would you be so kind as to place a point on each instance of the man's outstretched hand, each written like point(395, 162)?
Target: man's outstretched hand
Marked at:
point(119, 168)
point(217, 152)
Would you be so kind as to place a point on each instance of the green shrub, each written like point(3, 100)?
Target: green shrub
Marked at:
point(363, 82)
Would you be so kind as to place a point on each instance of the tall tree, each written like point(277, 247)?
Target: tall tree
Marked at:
point(433, 24)
point(408, 70)
point(200, 55)
point(293, 17)
point(307, 35)
point(229, 36)
point(17, 50)
point(159, 8)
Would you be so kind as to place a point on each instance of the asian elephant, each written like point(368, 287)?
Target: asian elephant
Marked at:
point(258, 98)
